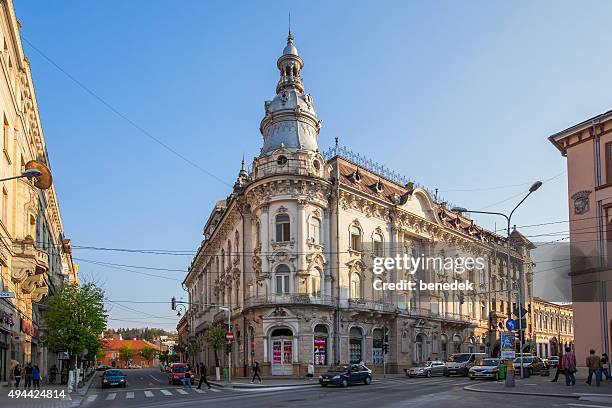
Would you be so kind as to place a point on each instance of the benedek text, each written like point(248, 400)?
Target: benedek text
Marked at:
point(406, 285)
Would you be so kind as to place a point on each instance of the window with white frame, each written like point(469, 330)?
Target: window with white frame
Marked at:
point(315, 230)
point(377, 245)
point(283, 228)
point(315, 282)
point(355, 286)
point(282, 280)
point(355, 242)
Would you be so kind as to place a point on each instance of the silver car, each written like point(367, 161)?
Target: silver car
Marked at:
point(485, 368)
point(427, 369)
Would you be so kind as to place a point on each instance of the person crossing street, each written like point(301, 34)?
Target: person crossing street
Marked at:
point(203, 379)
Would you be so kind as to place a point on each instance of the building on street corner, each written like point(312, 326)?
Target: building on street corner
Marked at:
point(291, 252)
point(553, 327)
point(587, 147)
point(35, 255)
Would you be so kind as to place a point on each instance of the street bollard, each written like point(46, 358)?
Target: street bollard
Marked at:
point(509, 382)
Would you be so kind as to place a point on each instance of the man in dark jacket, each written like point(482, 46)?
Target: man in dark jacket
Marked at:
point(28, 375)
point(256, 370)
point(203, 376)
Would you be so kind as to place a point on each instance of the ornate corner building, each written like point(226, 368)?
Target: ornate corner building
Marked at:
point(35, 256)
point(291, 250)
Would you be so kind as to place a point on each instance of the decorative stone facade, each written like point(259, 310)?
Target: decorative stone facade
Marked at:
point(35, 256)
point(553, 327)
point(291, 250)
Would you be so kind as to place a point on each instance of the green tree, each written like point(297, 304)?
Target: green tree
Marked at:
point(148, 353)
point(214, 336)
point(126, 353)
point(75, 319)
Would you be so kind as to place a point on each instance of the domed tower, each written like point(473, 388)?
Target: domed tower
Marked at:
point(290, 120)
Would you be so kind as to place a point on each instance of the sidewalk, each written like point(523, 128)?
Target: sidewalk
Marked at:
point(543, 387)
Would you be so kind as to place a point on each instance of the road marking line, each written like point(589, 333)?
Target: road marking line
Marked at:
point(92, 398)
point(165, 392)
point(148, 393)
point(182, 391)
point(199, 391)
point(129, 394)
point(590, 406)
point(214, 390)
point(111, 396)
point(155, 378)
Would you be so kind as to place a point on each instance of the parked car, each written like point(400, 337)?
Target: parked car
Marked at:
point(485, 368)
point(346, 374)
point(533, 365)
point(102, 367)
point(427, 369)
point(460, 363)
point(114, 378)
point(134, 366)
point(553, 361)
point(177, 373)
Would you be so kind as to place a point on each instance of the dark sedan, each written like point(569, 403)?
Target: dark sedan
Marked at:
point(114, 378)
point(102, 367)
point(346, 374)
point(532, 365)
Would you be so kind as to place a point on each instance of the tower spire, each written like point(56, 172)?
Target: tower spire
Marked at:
point(289, 36)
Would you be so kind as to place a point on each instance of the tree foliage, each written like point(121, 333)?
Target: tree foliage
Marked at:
point(126, 353)
point(214, 336)
point(75, 318)
point(148, 353)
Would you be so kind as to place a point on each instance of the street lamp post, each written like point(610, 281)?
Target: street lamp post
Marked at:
point(508, 218)
point(175, 304)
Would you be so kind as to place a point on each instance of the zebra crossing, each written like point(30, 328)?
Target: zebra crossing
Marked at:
point(148, 393)
point(422, 382)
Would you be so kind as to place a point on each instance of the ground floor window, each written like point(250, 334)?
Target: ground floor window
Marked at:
point(377, 346)
point(320, 344)
point(355, 345)
point(420, 348)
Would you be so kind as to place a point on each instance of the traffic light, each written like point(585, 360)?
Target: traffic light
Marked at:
point(173, 303)
point(228, 348)
point(386, 348)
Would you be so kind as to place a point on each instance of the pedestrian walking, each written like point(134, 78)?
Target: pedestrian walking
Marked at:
point(187, 379)
point(203, 379)
point(256, 370)
point(559, 371)
point(17, 375)
point(28, 375)
point(52, 374)
point(605, 366)
point(593, 362)
point(568, 363)
point(36, 376)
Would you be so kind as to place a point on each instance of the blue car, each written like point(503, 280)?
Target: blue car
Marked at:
point(346, 374)
point(114, 378)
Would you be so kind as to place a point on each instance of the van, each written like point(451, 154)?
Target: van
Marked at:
point(460, 363)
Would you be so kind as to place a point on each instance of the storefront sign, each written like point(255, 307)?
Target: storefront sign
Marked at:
point(7, 318)
point(27, 327)
point(7, 294)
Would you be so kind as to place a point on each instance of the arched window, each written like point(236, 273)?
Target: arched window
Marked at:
point(443, 347)
point(405, 342)
point(355, 242)
point(377, 245)
point(456, 343)
point(434, 343)
point(355, 286)
point(320, 344)
point(377, 346)
point(315, 282)
point(420, 348)
point(283, 228)
point(282, 280)
point(315, 230)
point(355, 345)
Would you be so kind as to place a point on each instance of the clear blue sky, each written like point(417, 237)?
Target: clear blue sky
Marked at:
point(456, 95)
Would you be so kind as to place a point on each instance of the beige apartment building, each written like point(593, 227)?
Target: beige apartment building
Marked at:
point(587, 147)
point(35, 256)
point(290, 252)
point(553, 327)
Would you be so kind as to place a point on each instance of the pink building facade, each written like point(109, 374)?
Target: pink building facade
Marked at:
point(588, 149)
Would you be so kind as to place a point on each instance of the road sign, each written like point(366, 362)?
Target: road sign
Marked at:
point(7, 294)
point(508, 349)
point(511, 325)
point(229, 336)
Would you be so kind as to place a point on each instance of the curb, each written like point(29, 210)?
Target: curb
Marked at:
point(248, 386)
point(471, 388)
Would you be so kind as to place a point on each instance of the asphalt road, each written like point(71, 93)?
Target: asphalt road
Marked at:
point(150, 388)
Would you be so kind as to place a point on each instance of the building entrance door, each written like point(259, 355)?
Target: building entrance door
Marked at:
point(282, 352)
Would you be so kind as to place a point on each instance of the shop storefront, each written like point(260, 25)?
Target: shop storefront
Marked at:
point(7, 321)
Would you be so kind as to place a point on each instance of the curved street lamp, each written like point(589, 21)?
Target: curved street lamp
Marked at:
point(534, 187)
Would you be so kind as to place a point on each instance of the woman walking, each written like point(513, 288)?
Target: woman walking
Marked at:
point(17, 375)
point(36, 376)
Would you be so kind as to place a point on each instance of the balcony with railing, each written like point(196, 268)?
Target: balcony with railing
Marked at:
point(285, 165)
point(294, 299)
